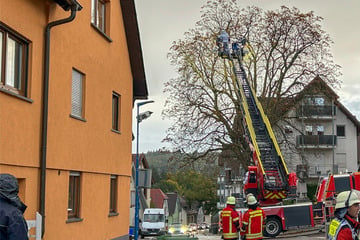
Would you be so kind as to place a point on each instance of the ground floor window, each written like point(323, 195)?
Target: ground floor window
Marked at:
point(74, 195)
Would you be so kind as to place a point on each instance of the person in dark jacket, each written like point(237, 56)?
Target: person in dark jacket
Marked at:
point(12, 223)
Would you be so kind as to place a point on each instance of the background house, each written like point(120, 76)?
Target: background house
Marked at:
point(322, 135)
point(144, 187)
point(177, 211)
point(66, 100)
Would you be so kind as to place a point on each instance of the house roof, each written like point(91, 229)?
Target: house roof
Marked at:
point(142, 160)
point(172, 200)
point(140, 90)
point(318, 85)
point(157, 197)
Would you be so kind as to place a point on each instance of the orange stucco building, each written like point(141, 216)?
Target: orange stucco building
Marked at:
point(70, 72)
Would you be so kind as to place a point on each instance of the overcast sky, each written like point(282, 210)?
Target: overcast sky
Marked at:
point(163, 21)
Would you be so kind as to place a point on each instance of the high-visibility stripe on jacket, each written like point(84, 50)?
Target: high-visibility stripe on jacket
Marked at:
point(254, 220)
point(336, 225)
point(228, 218)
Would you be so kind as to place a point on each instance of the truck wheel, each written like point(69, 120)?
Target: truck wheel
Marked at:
point(273, 227)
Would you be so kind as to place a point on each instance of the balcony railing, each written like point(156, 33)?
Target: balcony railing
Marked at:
point(316, 141)
point(324, 169)
point(315, 111)
point(317, 170)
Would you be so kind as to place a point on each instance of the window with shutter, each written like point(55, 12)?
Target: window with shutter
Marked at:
point(77, 92)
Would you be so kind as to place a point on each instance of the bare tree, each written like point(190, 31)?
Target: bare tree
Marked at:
point(286, 50)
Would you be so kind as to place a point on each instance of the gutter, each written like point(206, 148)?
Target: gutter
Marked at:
point(75, 6)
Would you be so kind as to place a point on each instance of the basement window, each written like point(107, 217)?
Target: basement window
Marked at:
point(74, 196)
point(113, 195)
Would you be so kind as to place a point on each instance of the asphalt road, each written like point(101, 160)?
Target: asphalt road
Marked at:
point(294, 234)
point(302, 235)
point(317, 234)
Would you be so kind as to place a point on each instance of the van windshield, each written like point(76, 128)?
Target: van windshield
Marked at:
point(153, 217)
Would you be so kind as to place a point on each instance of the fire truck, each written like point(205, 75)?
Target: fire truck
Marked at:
point(268, 177)
point(329, 187)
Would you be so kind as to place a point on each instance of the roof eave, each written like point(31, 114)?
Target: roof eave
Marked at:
point(140, 90)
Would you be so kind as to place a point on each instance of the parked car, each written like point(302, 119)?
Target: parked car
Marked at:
point(177, 229)
point(192, 228)
point(203, 226)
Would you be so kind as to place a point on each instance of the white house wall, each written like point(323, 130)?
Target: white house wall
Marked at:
point(346, 146)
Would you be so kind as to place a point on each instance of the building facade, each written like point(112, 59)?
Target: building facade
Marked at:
point(70, 73)
point(322, 136)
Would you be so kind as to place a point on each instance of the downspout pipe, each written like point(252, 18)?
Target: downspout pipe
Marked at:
point(74, 8)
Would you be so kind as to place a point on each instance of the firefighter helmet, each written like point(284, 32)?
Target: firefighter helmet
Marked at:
point(347, 199)
point(251, 200)
point(231, 200)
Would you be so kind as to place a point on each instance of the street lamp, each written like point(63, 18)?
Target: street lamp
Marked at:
point(139, 118)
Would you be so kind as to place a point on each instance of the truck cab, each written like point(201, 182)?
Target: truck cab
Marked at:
point(153, 222)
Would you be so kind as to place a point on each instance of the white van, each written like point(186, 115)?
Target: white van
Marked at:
point(153, 222)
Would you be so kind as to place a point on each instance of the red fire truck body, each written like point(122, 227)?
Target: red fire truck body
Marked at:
point(286, 217)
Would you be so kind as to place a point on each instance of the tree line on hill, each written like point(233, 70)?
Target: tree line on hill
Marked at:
point(194, 181)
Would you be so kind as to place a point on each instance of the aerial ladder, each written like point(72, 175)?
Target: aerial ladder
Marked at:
point(268, 179)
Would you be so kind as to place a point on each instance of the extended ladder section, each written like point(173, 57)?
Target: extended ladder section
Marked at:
point(260, 133)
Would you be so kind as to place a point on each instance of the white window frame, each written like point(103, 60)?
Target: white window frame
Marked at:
point(309, 130)
point(13, 61)
point(320, 129)
point(99, 12)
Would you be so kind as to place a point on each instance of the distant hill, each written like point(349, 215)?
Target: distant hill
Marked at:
point(163, 162)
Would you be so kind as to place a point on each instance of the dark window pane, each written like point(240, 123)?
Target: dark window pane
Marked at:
point(340, 131)
point(115, 112)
